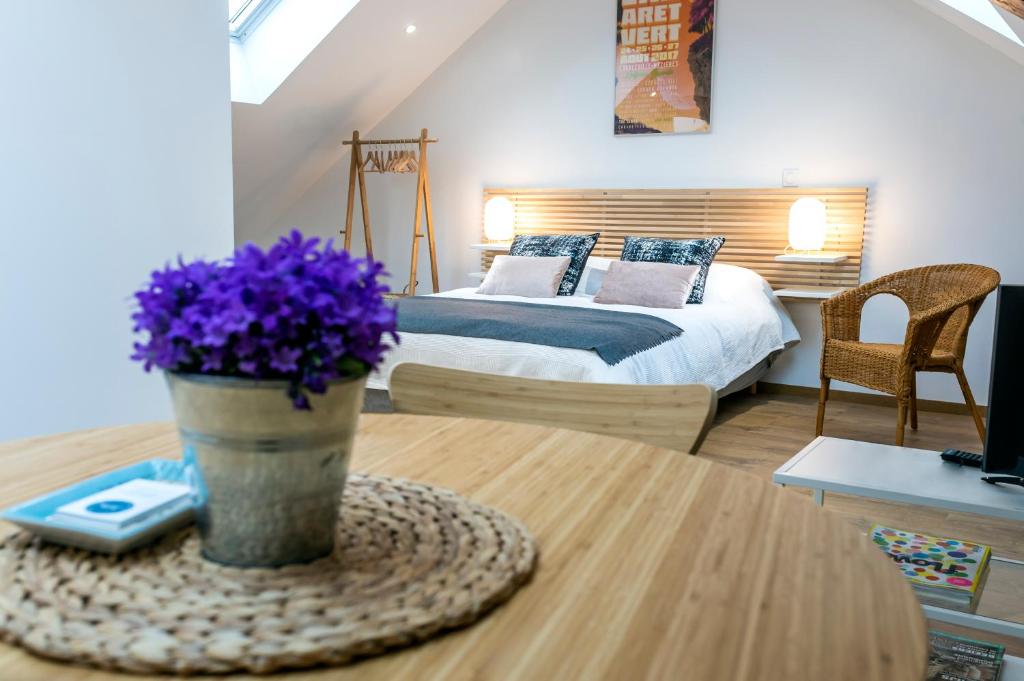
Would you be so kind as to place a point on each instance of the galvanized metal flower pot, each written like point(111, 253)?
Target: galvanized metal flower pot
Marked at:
point(269, 476)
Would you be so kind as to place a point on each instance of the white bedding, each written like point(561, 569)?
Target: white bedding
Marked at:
point(722, 339)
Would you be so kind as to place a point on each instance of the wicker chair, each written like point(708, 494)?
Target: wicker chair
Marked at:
point(942, 300)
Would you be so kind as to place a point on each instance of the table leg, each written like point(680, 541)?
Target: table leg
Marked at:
point(819, 497)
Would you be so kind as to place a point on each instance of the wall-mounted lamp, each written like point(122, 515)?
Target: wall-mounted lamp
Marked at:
point(808, 227)
point(499, 219)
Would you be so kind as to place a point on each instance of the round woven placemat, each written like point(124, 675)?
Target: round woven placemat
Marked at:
point(411, 561)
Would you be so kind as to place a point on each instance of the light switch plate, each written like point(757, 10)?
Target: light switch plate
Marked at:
point(790, 177)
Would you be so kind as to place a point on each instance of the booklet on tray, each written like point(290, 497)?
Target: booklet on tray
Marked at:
point(123, 504)
point(113, 512)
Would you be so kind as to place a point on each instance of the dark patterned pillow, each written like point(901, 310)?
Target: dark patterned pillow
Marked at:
point(696, 252)
point(577, 247)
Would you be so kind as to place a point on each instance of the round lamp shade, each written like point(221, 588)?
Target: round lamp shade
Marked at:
point(499, 219)
point(807, 224)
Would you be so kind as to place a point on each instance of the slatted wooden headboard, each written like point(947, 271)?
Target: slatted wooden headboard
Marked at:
point(755, 223)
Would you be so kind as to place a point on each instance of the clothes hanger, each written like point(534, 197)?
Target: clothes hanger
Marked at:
point(414, 163)
point(409, 163)
point(401, 160)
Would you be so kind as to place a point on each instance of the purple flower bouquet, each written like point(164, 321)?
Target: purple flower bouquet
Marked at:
point(234, 337)
point(296, 313)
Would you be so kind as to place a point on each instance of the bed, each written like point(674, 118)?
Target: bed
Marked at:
point(728, 341)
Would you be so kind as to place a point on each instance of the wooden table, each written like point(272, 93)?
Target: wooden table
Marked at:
point(653, 564)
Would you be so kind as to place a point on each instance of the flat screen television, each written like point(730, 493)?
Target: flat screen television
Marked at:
point(1004, 435)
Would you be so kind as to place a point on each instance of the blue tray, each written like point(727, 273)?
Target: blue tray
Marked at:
point(34, 515)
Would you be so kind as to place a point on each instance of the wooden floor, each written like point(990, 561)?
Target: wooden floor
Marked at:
point(758, 433)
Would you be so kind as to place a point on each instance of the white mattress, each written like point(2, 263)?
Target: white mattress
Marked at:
point(721, 340)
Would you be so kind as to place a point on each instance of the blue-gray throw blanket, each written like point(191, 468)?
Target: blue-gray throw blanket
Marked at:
point(613, 335)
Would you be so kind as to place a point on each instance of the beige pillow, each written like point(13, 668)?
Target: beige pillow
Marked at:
point(648, 284)
point(523, 275)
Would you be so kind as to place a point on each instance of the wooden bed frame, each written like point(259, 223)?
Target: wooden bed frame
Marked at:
point(755, 223)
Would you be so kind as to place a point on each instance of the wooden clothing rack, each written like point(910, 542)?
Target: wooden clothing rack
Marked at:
point(393, 156)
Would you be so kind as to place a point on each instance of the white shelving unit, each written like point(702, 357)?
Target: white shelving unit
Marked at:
point(909, 476)
point(1013, 669)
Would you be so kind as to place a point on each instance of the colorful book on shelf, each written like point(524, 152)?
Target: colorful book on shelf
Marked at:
point(952, 658)
point(946, 572)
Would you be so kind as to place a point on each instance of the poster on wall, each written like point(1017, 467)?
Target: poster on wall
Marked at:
point(663, 54)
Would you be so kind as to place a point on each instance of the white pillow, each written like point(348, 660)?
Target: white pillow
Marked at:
point(727, 283)
point(647, 284)
point(527, 276)
point(593, 275)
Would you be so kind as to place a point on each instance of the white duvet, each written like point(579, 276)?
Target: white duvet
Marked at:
point(739, 323)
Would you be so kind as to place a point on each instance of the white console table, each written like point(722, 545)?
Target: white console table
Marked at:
point(1013, 669)
point(909, 476)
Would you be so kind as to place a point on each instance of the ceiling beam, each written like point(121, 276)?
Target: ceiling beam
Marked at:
point(1012, 6)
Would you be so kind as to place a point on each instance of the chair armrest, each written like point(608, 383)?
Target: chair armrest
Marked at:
point(841, 322)
point(841, 314)
point(925, 327)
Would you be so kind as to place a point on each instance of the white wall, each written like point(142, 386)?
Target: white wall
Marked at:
point(115, 144)
point(881, 93)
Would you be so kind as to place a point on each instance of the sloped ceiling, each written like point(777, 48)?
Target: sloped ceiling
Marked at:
point(365, 68)
point(362, 70)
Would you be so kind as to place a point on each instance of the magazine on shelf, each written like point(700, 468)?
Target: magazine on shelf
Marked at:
point(953, 658)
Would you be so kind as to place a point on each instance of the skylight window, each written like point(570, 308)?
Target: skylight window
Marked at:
point(984, 13)
point(245, 15)
point(270, 38)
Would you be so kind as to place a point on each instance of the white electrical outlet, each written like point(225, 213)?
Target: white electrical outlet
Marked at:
point(790, 177)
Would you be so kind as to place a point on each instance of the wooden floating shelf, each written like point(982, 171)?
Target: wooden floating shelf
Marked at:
point(821, 258)
point(493, 246)
point(809, 292)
